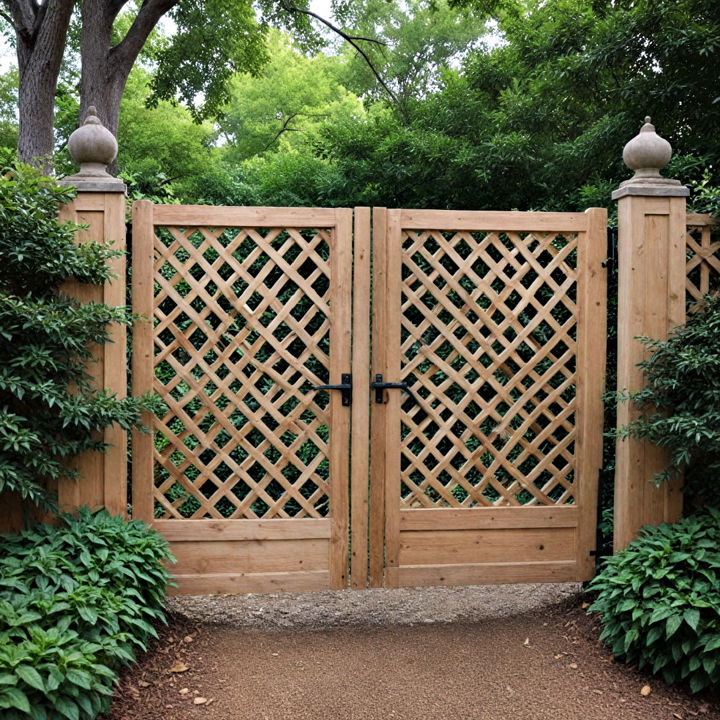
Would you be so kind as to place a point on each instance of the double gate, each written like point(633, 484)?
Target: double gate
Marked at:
point(460, 439)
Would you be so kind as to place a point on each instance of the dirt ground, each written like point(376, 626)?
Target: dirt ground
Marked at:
point(370, 656)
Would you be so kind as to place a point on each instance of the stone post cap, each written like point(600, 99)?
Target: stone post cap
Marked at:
point(93, 147)
point(648, 153)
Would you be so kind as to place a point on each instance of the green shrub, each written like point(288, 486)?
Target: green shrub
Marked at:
point(659, 600)
point(681, 402)
point(76, 602)
point(49, 411)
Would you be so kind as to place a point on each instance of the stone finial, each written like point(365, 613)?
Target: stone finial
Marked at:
point(647, 153)
point(93, 147)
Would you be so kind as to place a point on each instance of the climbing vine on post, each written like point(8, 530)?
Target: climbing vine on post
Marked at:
point(50, 411)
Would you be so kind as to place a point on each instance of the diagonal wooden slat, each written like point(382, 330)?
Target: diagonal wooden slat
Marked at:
point(242, 325)
point(503, 306)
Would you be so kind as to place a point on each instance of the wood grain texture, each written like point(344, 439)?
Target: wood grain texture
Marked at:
point(592, 352)
point(652, 286)
point(378, 411)
point(490, 518)
point(220, 216)
point(360, 450)
point(448, 547)
point(228, 530)
point(484, 574)
point(230, 583)
point(142, 357)
point(500, 221)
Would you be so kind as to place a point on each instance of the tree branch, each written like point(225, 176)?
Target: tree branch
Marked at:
point(23, 15)
point(127, 50)
point(7, 18)
point(282, 130)
point(352, 39)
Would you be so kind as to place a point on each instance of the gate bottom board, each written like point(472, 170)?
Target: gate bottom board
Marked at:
point(486, 546)
point(249, 556)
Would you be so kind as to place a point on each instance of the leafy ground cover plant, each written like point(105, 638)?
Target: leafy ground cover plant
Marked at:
point(76, 602)
point(49, 410)
point(659, 600)
point(681, 402)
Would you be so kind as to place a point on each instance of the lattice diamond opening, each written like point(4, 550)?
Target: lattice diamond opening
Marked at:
point(241, 333)
point(488, 335)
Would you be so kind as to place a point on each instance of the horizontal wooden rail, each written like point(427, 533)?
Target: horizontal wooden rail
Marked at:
point(223, 530)
point(700, 220)
point(482, 221)
point(220, 216)
point(489, 519)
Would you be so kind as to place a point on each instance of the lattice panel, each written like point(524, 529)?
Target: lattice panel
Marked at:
point(703, 258)
point(488, 336)
point(241, 333)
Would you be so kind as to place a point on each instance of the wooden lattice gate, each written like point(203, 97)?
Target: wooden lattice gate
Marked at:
point(496, 325)
point(478, 463)
point(247, 471)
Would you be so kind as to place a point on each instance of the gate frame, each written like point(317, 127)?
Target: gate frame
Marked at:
point(262, 533)
point(385, 521)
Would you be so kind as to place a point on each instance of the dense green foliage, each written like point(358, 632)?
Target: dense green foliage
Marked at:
point(76, 602)
point(532, 115)
point(659, 600)
point(49, 411)
point(681, 402)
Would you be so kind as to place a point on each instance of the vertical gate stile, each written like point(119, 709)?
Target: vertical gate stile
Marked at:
point(142, 355)
point(592, 334)
point(360, 437)
point(340, 359)
point(391, 372)
point(377, 437)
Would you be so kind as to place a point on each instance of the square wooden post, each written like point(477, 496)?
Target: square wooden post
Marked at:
point(103, 476)
point(651, 301)
point(100, 204)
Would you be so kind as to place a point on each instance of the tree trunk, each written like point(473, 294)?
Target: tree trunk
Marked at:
point(105, 68)
point(101, 81)
point(40, 37)
point(36, 105)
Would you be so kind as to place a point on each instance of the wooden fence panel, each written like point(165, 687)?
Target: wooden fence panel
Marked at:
point(496, 323)
point(247, 470)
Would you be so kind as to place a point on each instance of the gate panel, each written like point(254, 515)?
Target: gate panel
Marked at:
point(496, 323)
point(246, 473)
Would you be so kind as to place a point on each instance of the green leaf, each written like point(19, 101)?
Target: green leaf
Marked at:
point(80, 677)
point(67, 707)
point(692, 617)
point(672, 625)
point(13, 697)
point(31, 677)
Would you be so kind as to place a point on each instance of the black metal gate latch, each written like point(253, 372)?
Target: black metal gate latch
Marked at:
point(345, 388)
point(379, 386)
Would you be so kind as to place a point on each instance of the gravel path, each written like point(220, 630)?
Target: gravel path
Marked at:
point(402, 654)
point(371, 608)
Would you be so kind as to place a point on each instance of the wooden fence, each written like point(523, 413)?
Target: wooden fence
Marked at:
point(443, 497)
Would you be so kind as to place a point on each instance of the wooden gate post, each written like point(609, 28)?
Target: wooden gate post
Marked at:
point(100, 204)
point(651, 301)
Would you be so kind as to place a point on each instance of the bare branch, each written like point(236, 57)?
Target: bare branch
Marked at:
point(352, 39)
point(286, 123)
point(282, 130)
